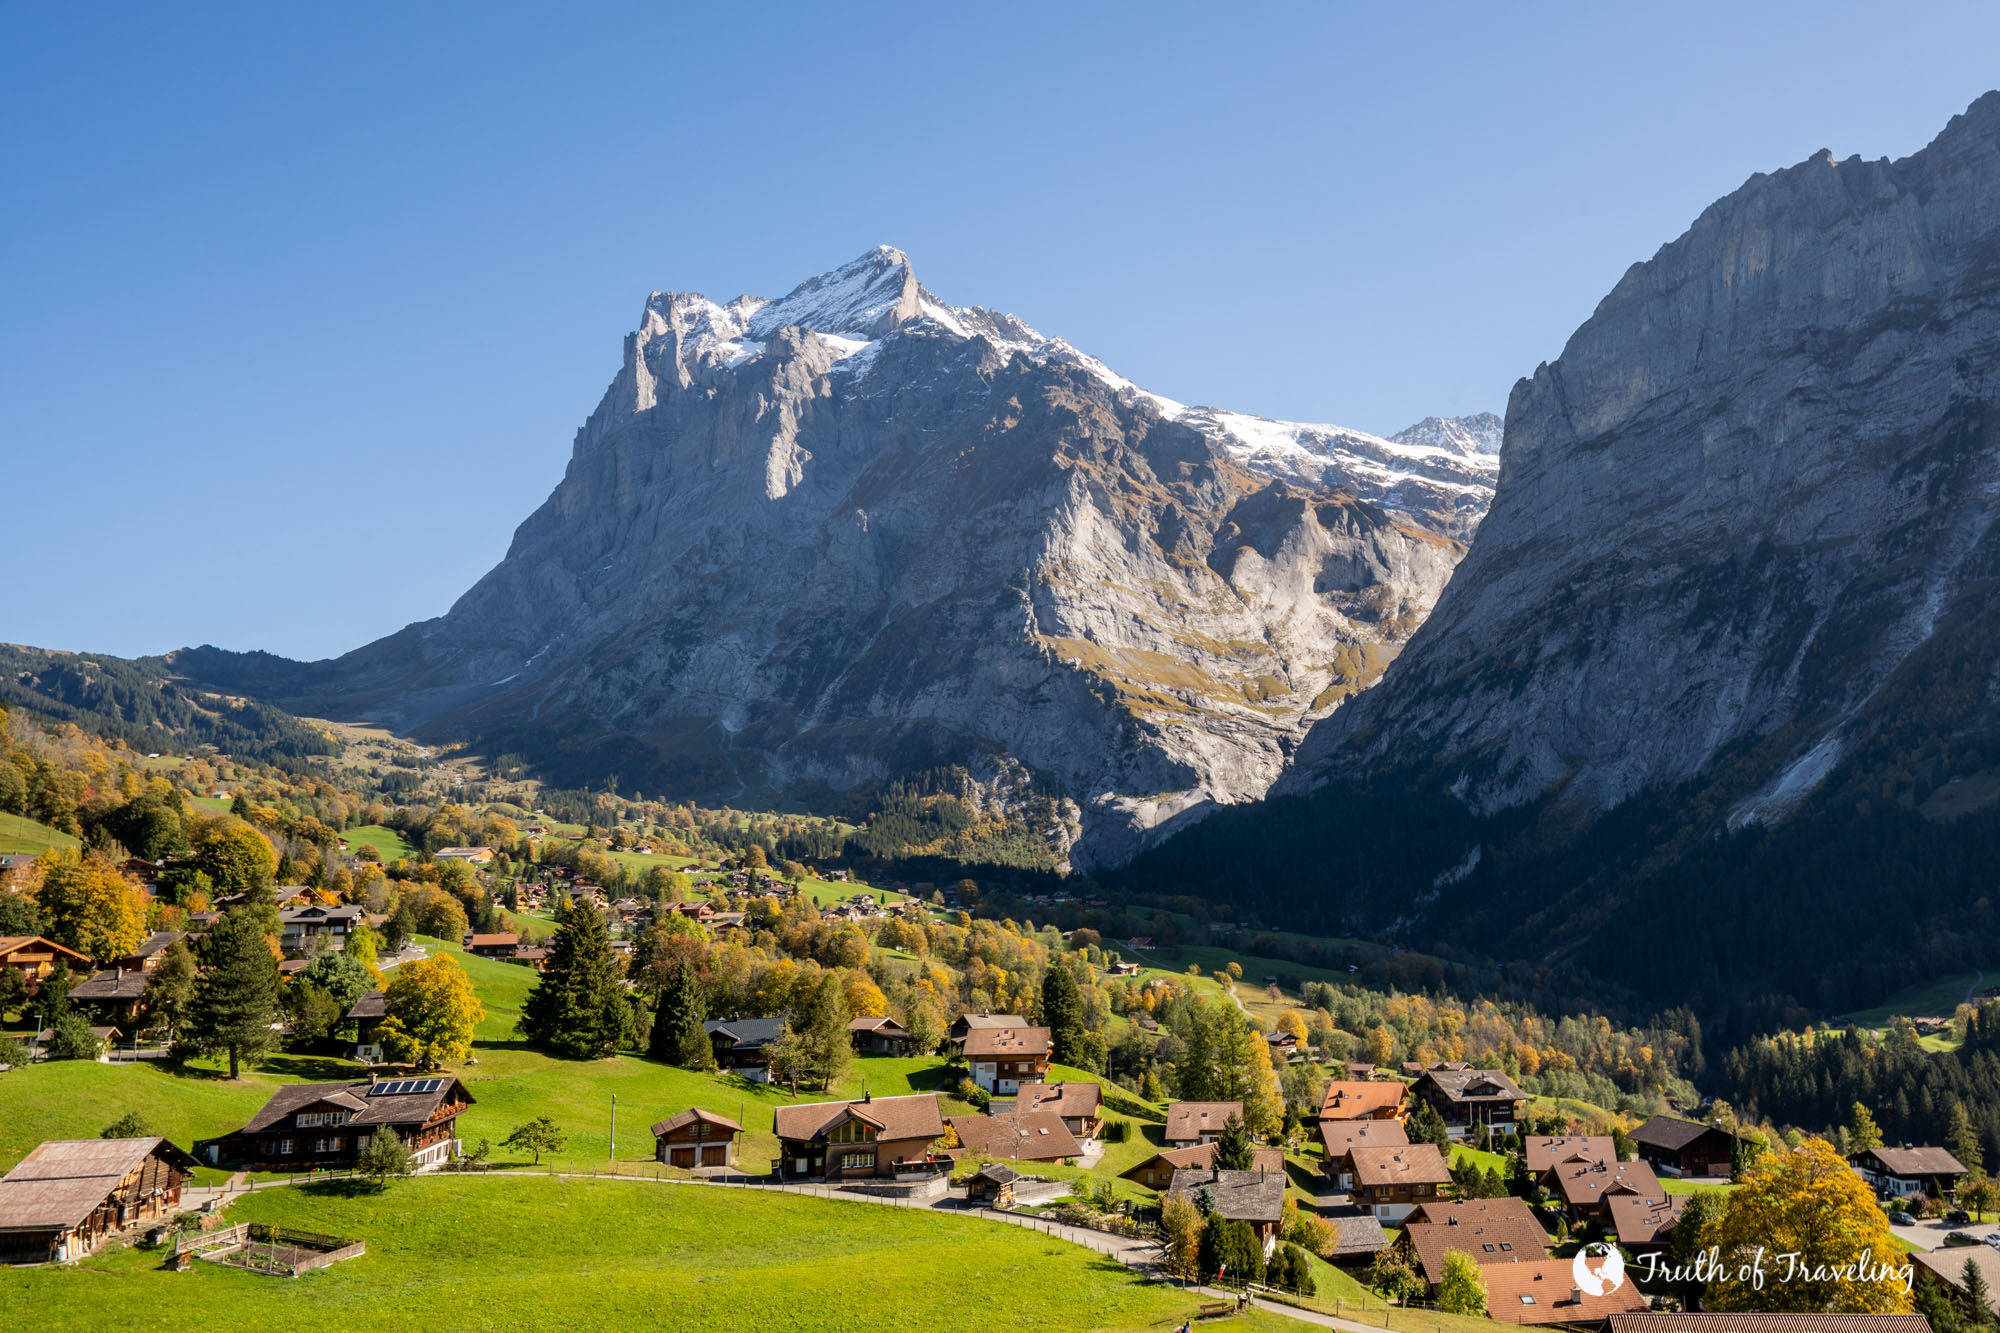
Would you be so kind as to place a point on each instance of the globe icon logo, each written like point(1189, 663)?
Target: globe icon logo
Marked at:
point(1598, 1269)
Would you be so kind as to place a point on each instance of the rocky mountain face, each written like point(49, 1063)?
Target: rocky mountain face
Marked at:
point(1751, 500)
point(822, 541)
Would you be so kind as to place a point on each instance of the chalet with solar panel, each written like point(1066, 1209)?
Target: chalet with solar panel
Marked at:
point(324, 1126)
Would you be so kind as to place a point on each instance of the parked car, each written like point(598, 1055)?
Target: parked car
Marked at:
point(1958, 1238)
point(1992, 1238)
point(1957, 1218)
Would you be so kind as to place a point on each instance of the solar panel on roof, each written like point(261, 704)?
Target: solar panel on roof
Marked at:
point(404, 1087)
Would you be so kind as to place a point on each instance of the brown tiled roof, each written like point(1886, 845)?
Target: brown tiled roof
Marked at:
point(1034, 1136)
point(1411, 1164)
point(1064, 1099)
point(1669, 1132)
point(1188, 1120)
point(983, 1022)
point(14, 943)
point(1916, 1161)
point(1710, 1322)
point(1588, 1182)
point(1640, 1220)
point(1949, 1265)
point(1474, 1085)
point(996, 1042)
point(914, 1116)
point(1239, 1196)
point(1347, 1100)
point(129, 984)
point(885, 1025)
point(59, 1183)
point(689, 1116)
point(1546, 1293)
point(1544, 1151)
point(1338, 1136)
point(508, 938)
point(1492, 1231)
point(380, 1109)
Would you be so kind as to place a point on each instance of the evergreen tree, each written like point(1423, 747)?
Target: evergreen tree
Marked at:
point(236, 1001)
point(1978, 1298)
point(1427, 1126)
point(578, 1007)
point(678, 1036)
point(1963, 1139)
point(1862, 1131)
point(51, 1002)
point(1062, 1014)
point(1234, 1150)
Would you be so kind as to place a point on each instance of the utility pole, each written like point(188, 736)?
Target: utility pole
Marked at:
point(614, 1127)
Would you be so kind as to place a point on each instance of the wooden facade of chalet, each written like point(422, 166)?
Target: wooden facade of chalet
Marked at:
point(881, 1036)
point(873, 1138)
point(1393, 1182)
point(66, 1196)
point(324, 1126)
point(1675, 1147)
point(1932, 1171)
point(1468, 1098)
point(1002, 1059)
point(696, 1139)
point(743, 1045)
point(35, 957)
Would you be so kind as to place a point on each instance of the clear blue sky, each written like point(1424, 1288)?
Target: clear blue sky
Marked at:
point(300, 306)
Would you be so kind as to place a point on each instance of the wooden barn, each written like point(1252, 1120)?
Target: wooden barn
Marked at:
point(68, 1194)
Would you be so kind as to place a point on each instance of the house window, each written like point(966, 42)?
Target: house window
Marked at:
point(284, 1147)
point(856, 1161)
point(313, 1119)
point(1487, 1248)
point(1506, 1245)
point(852, 1131)
point(1527, 1300)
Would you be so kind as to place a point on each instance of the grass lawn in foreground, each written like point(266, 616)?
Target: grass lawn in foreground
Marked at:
point(19, 835)
point(536, 1252)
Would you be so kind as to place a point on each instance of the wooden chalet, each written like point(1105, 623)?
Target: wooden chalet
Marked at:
point(1467, 1098)
point(881, 1036)
point(743, 1045)
point(1675, 1147)
point(1080, 1106)
point(1339, 1139)
point(1025, 1136)
point(1391, 1182)
point(112, 996)
point(1907, 1170)
point(1197, 1122)
point(695, 1139)
point(324, 1126)
point(67, 1195)
point(499, 944)
point(1492, 1231)
point(1586, 1188)
point(1359, 1099)
point(1543, 1153)
point(966, 1024)
point(873, 1138)
point(1256, 1197)
point(35, 956)
point(317, 926)
point(1002, 1059)
point(1157, 1171)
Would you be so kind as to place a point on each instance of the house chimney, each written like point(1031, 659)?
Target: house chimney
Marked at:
point(867, 1096)
point(1575, 1296)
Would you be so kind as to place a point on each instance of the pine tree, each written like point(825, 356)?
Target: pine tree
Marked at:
point(1427, 1126)
point(1234, 1150)
point(1978, 1298)
point(236, 1002)
point(1963, 1139)
point(170, 987)
point(1062, 1014)
point(678, 1036)
point(578, 1007)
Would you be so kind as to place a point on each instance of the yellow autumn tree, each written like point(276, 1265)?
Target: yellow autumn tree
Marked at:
point(1807, 1202)
point(1293, 1023)
point(431, 1012)
point(90, 907)
point(864, 997)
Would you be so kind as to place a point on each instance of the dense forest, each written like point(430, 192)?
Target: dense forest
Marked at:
point(148, 707)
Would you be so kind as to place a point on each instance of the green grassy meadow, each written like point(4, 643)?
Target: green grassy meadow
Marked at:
point(19, 834)
point(388, 843)
point(527, 1251)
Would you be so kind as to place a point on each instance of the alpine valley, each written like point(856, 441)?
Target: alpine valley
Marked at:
point(820, 543)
